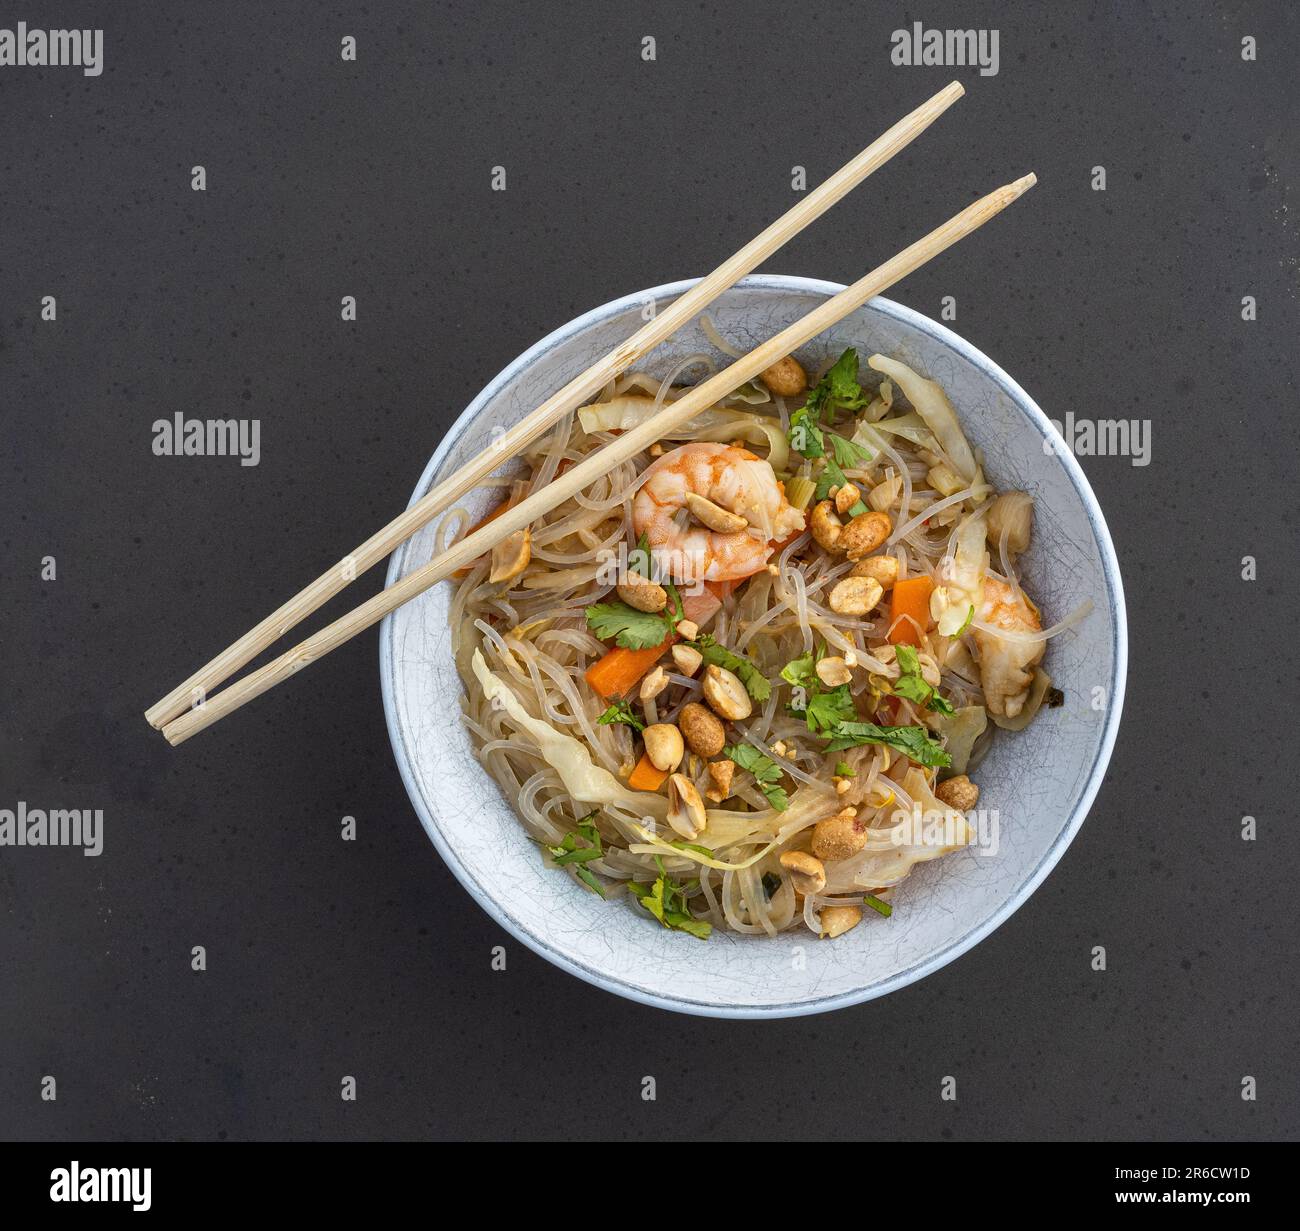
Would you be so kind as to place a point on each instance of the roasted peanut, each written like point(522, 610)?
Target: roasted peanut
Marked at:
point(714, 516)
point(687, 659)
point(825, 526)
point(642, 593)
point(786, 377)
point(686, 812)
point(701, 729)
point(836, 920)
point(855, 596)
point(511, 556)
point(864, 534)
point(839, 836)
point(833, 671)
point(846, 497)
point(807, 874)
point(663, 745)
point(653, 684)
point(883, 569)
point(687, 630)
point(958, 792)
point(725, 694)
point(720, 774)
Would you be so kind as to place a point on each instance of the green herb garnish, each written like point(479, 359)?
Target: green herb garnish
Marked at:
point(880, 906)
point(639, 559)
point(621, 712)
point(802, 671)
point(823, 707)
point(843, 770)
point(767, 773)
point(843, 453)
point(826, 707)
point(569, 852)
point(911, 684)
point(630, 628)
point(838, 389)
point(912, 742)
point(666, 901)
point(804, 434)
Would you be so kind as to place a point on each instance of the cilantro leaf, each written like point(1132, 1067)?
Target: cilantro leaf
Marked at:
point(826, 707)
point(843, 452)
point(630, 628)
point(756, 683)
point(801, 671)
point(844, 770)
point(621, 712)
point(639, 559)
point(838, 389)
point(570, 852)
point(847, 452)
point(767, 773)
point(912, 742)
point(911, 685)
point(804, 435)
point(666, 901)
point(673, 612)
point(831, 476)
point(823, 707)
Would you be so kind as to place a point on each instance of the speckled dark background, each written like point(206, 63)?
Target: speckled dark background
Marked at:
point(372, 179)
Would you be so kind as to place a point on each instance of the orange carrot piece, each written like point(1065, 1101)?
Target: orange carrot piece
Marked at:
point(620, 670)
point(645, 777)
point(909, 598)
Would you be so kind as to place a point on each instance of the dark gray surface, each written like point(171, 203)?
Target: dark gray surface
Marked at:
point(325, 178)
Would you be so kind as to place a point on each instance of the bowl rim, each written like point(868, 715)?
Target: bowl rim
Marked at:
point(918, 970)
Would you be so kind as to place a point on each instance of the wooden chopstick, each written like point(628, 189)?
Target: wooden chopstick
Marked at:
point(627, 445)
point(579, 390)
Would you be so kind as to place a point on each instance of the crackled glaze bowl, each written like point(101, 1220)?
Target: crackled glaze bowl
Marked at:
point(1041, 781)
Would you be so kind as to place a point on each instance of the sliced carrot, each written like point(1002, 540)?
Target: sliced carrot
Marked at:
point(909, 598)
point(645, 777)
point(619, 671)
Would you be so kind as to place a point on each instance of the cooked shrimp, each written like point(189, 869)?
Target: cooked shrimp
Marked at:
point(737, 482)
point(1005, 662)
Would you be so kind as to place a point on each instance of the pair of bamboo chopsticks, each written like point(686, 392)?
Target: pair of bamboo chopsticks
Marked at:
point(188, 708)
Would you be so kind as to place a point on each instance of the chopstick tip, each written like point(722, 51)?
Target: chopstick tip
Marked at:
point(1025, 183)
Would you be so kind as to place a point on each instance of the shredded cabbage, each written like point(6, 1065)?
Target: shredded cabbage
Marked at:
point(932, 405)
point(583, 779)
point(961, 729)
point(953, 603)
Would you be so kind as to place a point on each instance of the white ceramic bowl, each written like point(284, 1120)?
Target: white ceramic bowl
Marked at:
point(1040, 781)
